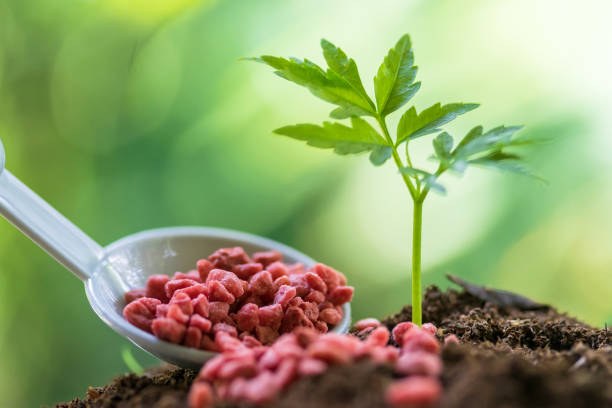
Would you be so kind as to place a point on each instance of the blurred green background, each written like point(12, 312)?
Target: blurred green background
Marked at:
point(130, 115)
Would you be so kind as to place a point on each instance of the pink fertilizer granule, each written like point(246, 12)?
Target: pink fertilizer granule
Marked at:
point(248, 372)
point(255, 299)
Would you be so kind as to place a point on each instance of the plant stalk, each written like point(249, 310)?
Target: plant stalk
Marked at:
point(396, 156)
point(417, 313)
point(418, 197)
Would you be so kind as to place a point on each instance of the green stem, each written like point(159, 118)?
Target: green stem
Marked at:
point(423, 194)
point(418, 182)
point(396, 157)
point(417, 314)
point(418, 197)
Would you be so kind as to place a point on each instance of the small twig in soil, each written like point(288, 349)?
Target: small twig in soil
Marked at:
point(499, 297)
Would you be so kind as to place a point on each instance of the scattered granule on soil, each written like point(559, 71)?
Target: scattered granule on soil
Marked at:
point(359, 385)
point(259, 375)
point(506, 357)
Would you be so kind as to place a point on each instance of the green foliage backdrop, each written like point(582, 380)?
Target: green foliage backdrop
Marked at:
point(135, 115)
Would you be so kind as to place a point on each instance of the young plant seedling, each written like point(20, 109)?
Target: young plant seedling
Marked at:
point(394, 85)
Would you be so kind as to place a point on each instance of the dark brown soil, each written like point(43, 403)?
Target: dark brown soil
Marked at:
point(165, 386)
point(507, 358)
point(475, 321)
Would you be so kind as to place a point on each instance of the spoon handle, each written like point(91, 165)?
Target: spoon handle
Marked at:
point(45, 226)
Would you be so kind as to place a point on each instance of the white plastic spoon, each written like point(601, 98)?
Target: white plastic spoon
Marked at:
point(109, 272)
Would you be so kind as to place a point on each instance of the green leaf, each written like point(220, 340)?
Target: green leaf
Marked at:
point(432, 183)
point(343, 113)
point(485, 149)
point(471, 135)
point(413, 125)
point(503, 165)
point(360, 137)
point(509, 166)
point(496, 138)
point(498, 155)
point(380, 155)
point(327, 85)
point(508, 162)
point(394, 83)
point(459, 166)
point(443, 144)
point(430, 180)
point(497, 159)
point(338, 61)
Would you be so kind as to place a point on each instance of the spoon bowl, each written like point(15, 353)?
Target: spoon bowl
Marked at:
point(128, 263)
point(109, 272)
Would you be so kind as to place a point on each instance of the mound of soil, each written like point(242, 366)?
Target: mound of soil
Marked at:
point(508, 357)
